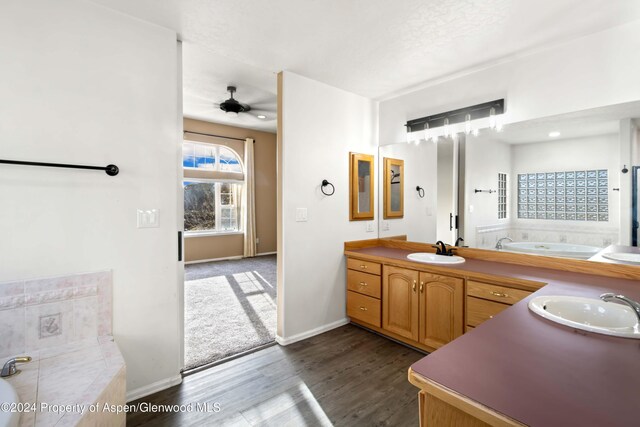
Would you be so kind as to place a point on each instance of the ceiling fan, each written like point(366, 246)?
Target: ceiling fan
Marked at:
point(260, 110)
point(231, 106)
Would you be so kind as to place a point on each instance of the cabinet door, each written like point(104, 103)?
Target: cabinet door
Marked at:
point(400, 303)
point(441, 313)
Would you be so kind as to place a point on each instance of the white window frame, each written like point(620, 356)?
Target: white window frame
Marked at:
point(216, 163)
point(218, 207)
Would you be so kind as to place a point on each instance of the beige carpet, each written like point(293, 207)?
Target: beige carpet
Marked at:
point(230, 307)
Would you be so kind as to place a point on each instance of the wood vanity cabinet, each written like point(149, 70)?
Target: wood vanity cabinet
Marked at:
point(400, 301)
point(485, 300)
point(422, 307)
point(364, 291)
point(441, 309)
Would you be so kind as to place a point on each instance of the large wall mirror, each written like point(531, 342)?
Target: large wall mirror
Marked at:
point(564, 186)
point(361, 186)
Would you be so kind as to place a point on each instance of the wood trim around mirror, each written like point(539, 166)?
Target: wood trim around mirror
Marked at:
point(388, 212)
point(354, 187)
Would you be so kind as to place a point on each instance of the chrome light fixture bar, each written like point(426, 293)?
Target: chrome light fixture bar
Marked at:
point(463, 115)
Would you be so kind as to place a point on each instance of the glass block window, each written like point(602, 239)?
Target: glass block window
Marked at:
point(566, 196)
point(502, 195)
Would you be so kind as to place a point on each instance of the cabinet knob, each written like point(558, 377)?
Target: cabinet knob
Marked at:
point(414, 285)
point(499, 294)
point(363, 283)
point(490, 317)
point(363, 266)
point(363, 308)
point(421, 286)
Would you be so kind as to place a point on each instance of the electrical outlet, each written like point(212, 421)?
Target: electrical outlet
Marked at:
point(525, 236)
point(370, 227)
point(563, 238)
point(257, 240)
point(385, 225)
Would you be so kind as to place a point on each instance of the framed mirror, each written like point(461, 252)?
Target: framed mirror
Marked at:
point(393, 188)
point(361, 186)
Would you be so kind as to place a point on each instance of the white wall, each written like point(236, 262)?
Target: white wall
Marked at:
point(82, 84)
point(484, 159)
point(592, 71)
point(420, 165)
point(321, 125)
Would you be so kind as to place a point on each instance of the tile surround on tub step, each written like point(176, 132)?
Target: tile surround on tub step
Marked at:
point(45, 312)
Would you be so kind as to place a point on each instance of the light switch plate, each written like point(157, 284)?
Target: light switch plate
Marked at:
point(301, 215)
point(148, 218)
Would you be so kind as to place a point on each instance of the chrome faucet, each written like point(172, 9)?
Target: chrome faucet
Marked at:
point(9, 368)
point(635, 305)
point(499, 244)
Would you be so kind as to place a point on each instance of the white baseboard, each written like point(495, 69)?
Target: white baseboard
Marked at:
point(267, 253)
point(153, 388)
point(308, 334)
point(229, 258)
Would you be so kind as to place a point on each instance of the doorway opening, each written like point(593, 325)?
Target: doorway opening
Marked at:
point(230, 242)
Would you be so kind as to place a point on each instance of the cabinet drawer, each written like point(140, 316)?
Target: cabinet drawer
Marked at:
point(496, 293)
point(479, 310)
point(363, 283)
point(365, 266)
point(363, 308)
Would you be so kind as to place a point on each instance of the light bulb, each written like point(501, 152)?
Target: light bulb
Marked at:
point(499, 123)
point(476, 132)
point(446, 127)
point(467, 124)
point(492, 118)
point(427, 133)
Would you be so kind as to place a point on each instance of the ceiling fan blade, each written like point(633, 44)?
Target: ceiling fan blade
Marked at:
point(266, 106)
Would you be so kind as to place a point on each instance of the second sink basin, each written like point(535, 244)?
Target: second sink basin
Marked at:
point(632, 258)
point(430, 258)
point(588, 314)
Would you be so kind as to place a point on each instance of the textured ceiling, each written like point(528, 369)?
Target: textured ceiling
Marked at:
point(205, 79)
point(371, 47)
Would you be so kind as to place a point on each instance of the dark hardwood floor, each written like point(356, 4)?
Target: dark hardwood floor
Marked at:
point(345, 377)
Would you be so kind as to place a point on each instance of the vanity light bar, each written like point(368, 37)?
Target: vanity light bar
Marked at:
point(461, 115)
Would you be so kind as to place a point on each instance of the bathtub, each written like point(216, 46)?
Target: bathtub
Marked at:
point(565, 250)
point(9, 396)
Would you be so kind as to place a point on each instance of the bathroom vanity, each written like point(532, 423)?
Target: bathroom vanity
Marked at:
point(502, 364)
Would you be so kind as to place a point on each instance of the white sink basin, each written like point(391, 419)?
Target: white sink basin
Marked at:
point(623, 257)
point(588, 314)
point(430, 258)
